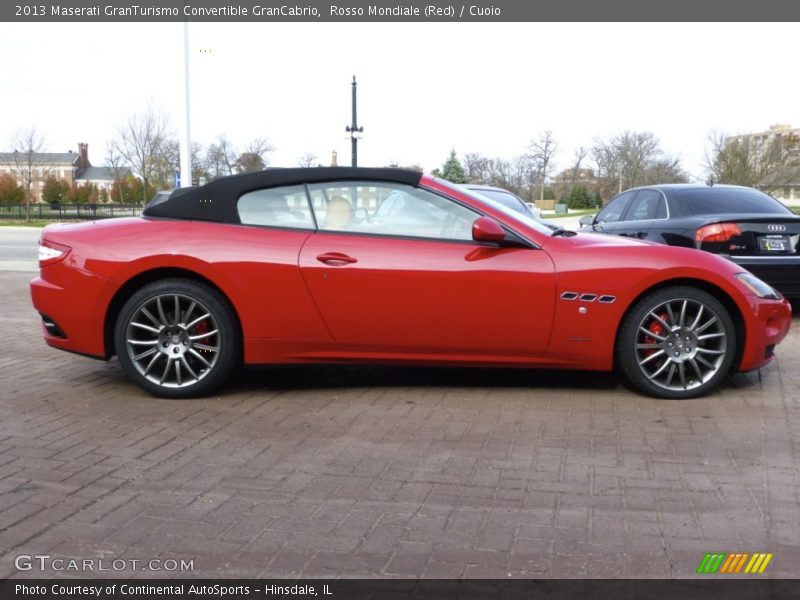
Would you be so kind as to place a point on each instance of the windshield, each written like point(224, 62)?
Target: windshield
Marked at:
point(513, 215)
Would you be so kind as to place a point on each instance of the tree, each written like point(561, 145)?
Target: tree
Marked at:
point(452, 169)
point(11, 192)
point(254, 156)
point(55, 191)
point(632, 159)
point(580, 197)
point(27, 163)
point(116, 163)
point(220, 158)
point(746, 161)
point(130, 187)
point(165, 164)
point(477, 167)
point(541, 153)
point(249, 162)
point(83, 194)
point(199, 172)
point(513, 175)
point(307, 160)
point(145, 145)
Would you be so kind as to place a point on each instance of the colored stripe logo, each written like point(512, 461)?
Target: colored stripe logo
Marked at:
point(736, 562)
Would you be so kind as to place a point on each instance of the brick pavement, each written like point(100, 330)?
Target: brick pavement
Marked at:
point(326, 472)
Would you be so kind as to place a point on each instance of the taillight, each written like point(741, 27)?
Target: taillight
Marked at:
point(718, 232)
point(51, 253)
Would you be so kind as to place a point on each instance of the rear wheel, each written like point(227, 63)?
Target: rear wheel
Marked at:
point(678, 342)
point(177, 338)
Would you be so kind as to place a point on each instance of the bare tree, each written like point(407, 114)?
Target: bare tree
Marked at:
point(254, 156)
point(631, 159)
point(476, 166)
point(143, 143)
point(307, 160)
point(119, 170)
point(577, 160)
point(747, 161)
point(541, 152)
point(166, 163)
point(27, 163)
point(220, 158)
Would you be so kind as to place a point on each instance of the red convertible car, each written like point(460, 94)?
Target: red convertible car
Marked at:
point(357, 265)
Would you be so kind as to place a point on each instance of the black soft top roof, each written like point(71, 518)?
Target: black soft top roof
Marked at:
point(216, 201)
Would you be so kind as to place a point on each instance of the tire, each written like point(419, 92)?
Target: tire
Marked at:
point(676, 343)
point(177, 357)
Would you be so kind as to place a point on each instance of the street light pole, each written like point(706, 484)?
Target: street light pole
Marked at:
point(354, 130)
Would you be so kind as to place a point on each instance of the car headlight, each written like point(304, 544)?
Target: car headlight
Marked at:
point(758, 287)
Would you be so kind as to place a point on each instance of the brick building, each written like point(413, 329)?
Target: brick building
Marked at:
point(72, 167)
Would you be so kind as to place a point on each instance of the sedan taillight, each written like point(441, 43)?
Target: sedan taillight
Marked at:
point(51, 253)
point(718, 232)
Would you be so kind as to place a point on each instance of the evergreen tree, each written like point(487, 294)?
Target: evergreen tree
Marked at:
point(580, 197)
point(453, 170)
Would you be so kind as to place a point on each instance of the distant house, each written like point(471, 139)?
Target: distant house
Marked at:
point(62, 165)
point(101, 177)
point(72, 167)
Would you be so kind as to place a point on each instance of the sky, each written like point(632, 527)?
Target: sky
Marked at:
point(423, 88)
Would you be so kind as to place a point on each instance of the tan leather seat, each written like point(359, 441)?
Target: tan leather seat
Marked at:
point(339, 213)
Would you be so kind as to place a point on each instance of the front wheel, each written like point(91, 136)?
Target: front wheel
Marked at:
point(676, 343)
point(177, 338)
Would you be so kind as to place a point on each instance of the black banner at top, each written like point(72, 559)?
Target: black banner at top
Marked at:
point(72, 11)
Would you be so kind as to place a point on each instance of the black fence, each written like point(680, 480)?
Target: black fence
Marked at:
point(69, 212)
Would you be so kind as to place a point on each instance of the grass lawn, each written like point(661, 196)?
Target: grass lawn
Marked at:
point(572, 213)
point(23, 223)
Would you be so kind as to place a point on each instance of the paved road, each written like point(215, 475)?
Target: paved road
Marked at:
point(391, 472)
point(18, 248)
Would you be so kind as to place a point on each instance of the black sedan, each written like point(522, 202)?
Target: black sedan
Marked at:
point(747, 226)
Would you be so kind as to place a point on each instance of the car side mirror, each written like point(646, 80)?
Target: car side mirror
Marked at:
point(486, 229)
point(586, 220)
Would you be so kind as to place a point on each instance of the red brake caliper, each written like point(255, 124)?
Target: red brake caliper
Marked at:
point(201, 328)
point(658, 329)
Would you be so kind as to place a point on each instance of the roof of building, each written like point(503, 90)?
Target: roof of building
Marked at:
point(97, 174)
point(41, 157)
point(216, 201)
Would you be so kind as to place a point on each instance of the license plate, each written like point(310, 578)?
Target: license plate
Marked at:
point(773, 243)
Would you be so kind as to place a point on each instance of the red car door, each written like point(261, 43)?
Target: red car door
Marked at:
point(380, 291)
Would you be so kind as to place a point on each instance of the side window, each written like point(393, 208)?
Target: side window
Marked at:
point(613, 211)
point(648, 205)
point(276, 207)
point(389, 209)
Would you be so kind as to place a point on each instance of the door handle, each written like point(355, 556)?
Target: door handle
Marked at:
point(332, 258)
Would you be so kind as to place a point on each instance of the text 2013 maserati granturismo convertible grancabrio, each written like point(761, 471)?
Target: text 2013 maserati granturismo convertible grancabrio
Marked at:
point(357, 265)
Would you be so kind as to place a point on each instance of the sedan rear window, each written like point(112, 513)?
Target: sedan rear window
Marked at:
point(715, 201)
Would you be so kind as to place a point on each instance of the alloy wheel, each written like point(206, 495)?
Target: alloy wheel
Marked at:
point(173, 340)
point(680, 344)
